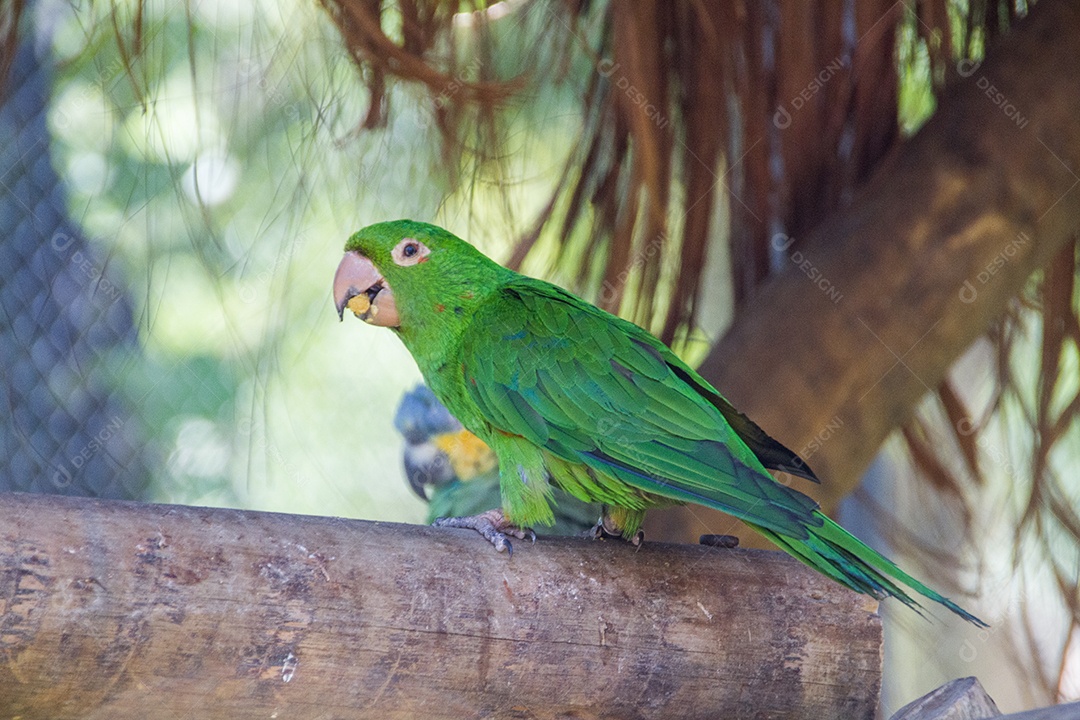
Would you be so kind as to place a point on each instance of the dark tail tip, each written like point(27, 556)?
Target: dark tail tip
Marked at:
point(964, 613)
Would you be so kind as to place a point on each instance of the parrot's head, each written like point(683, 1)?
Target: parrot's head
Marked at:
point(406, 275)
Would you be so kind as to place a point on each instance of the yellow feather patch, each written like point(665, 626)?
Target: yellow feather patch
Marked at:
point(468, 454)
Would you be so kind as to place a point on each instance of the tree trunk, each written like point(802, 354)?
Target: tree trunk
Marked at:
point(883, 297)
point(124, 610)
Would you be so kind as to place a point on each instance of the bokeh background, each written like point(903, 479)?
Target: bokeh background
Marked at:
point(178, 180)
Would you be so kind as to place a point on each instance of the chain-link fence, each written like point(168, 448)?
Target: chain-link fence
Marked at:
point(66, 327)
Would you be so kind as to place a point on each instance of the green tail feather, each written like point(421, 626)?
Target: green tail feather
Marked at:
point(833, 551)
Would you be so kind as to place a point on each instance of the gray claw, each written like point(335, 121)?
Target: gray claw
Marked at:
point(493, 525)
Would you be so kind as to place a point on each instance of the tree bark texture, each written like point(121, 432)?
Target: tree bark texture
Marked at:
point(123, 610)
point(875, 305)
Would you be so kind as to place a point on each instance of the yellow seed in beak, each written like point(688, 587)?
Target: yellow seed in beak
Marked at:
point(360, 305)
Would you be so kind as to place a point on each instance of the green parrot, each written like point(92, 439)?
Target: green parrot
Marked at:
point(568, 395)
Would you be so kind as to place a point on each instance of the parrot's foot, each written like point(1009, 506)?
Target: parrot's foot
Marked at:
point(719, 541)
point(493, 525)
point(605, 529)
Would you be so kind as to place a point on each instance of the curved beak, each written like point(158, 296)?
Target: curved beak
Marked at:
point(360, 287)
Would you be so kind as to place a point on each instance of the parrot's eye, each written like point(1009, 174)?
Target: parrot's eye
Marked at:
point(410, 252)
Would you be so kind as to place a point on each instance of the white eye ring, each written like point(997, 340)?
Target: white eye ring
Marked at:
point(410, 252)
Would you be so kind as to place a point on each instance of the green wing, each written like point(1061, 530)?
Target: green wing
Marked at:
point(603, 394)
point(596, 390)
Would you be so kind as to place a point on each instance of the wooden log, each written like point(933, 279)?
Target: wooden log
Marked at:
point(961, 699)
point(965, 699)
point(125, 610)
point(1066, 711)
